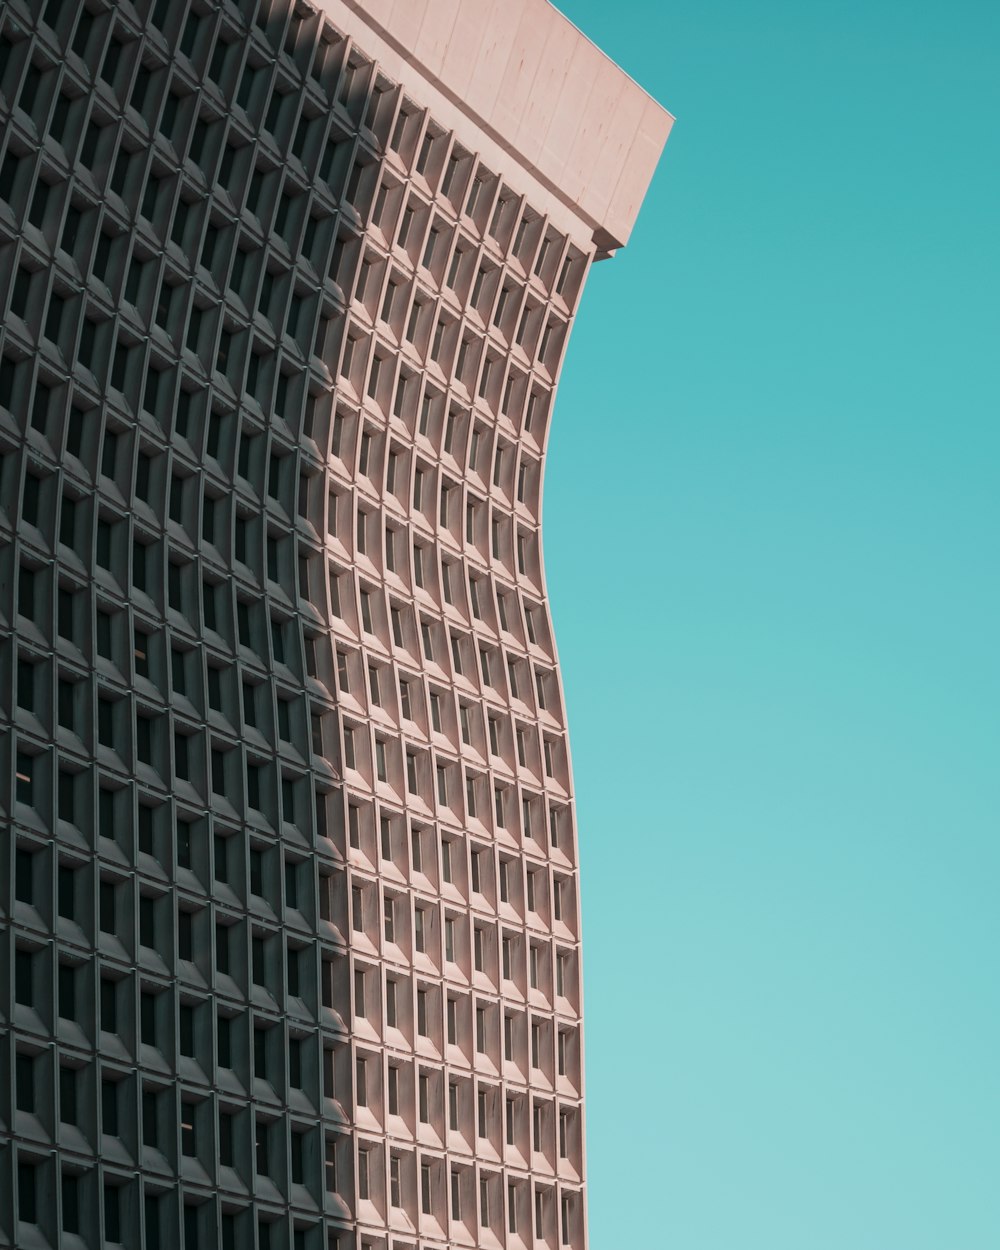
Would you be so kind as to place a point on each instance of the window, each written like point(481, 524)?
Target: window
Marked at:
point(425, 1188)
point(106, 910)
point(395, 1184)
point(67, 991)
point(224, 1041)
point(481, 1123)
point(484, 1201)
point(359, 992)
point(185, 938)
point(222, 948)
point(357, 909)
point(564, 1206)
point(354, 826)
point(366, 611)
point(147, 1019)
point(363, 1187)
point(422, 1013)
point(29, 498)
point(361, 1082)
point(562, 962)
point(27, 1196)
point(295, 1049)
point(23, 876)
point(390, 1003)
point(24, 778)
point(456, 1194)
point(481, 1030)
point(112, 1213)
point(109, 1107)
point(150, 1117)
point(381, 769)
point(24, 1076)
point(70, 1203)
point(186, 1028)
point(563, 1133)
point(453, 1021)
point(452, 1105)
point(405, 700)
point(415, 853)
point(226, 1155)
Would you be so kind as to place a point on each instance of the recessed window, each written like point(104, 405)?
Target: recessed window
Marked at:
point(390, 1008)
point(425, 1188)
point(363, 1186)
point(422, 1012)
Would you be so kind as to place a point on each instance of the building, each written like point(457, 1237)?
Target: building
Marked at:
point(288, 897)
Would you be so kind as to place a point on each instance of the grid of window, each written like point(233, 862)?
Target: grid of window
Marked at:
point(292, 881)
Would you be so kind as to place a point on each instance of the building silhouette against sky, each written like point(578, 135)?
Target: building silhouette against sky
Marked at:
point(290, 922)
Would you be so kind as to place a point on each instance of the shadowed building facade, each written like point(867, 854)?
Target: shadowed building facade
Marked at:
point(290, 945)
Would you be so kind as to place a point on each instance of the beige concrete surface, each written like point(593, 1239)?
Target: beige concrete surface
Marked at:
point(517, 77)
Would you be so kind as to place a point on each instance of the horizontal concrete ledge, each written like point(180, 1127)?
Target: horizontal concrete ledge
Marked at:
point(548, 97)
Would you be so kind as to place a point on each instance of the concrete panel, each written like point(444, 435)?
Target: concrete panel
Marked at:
point(437, 33)
point(533, 88)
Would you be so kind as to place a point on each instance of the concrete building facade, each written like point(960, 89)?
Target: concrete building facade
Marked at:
point(289, 920)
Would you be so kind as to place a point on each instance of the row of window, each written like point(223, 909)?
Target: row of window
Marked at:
point(414, 1100)
point(471, 944)
point(214, 334)
point(460, 866)
point(236, 700)
point(394, 922)
point(382, 541)
point(439, 1020)
point(407, 485)
point(150, 385)
point(288, 106)
point(394, 474)
point(91, 534)
point(241, 779)
point(82, 1202)
point(149, 833)
point(444, 1021)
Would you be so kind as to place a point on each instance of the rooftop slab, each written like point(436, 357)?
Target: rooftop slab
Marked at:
point(518, 76)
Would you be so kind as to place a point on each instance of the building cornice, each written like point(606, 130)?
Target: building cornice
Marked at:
point(517, 76)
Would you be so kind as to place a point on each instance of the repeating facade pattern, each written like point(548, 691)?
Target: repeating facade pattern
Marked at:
point(290, 940)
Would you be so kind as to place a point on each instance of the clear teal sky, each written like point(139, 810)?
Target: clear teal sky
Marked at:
point(772, 519)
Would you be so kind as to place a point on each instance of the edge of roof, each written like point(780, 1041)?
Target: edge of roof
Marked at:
point(526, 77)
